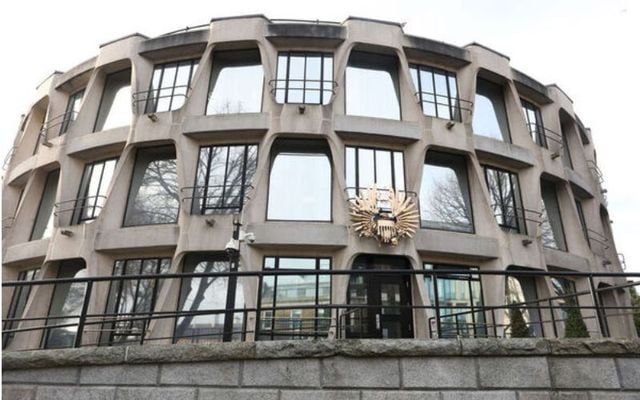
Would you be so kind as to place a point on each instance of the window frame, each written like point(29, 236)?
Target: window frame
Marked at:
point(213, 82)
point(299, 53)
point(104, 87)
point(564, 245)
point(454, 109)
point(77, 216)
point(131, 178)
point(392, 153)
point(244, 187)
point(463, 160)
point(20, 294)
point(153, 95)
point(520, 217)
point(539, 131)
point(300, 146)
point(506, 136)
point(273, 307)
point(118, 297)
point(44, 189)
point(69, 118)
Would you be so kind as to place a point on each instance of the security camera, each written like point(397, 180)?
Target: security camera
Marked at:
point(232, 245)
point(249, 237)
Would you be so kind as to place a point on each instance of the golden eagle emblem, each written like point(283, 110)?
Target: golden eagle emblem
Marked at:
point(386, 215)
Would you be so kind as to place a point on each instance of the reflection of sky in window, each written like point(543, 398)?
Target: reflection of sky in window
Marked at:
point(485, 120)
point(371, 93)
point(433, 177)
point(300, 187)
point(238, 89)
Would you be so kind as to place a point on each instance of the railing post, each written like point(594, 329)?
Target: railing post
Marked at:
point(83, 314)
point(553, 319)
point(602, 323)
point(493, 321)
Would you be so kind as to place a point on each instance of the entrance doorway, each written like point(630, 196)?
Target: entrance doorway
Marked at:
point(384, 294)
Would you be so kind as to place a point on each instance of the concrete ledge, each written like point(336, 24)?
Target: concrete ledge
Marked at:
point(579, 184)
point(453, 243)
point(92, 144)
point(349, 125)
point(291, 233)
point(26, 251)
point(217, 124)
point(160, 236)
point(565, 260)
point(351, 348)
point(493, 149)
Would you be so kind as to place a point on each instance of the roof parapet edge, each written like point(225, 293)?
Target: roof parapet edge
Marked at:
point(123, 38)
point(487, 48)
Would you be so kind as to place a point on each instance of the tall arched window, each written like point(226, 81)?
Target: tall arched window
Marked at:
point(300, 181)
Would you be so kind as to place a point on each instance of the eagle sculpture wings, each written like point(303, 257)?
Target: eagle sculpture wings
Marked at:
point(386, 215)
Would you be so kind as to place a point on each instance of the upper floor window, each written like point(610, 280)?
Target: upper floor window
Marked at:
point(490, 113)
point(237, 81)
point(131, 299)
point(300, 181)
point(208, 293)
point(66, 305)
point(153, 196)
point(288, 291)
point(372, 88)
point(72, 110)
point(366, 167)
point(437, 92)
point(223, 178)
point(43, 226)
point(583, 222)
point(552, 230)
point(170, 86)
point(445, 201)
point(18, 304)
point(505, 199)
point(92, 193)
point(566, 126)
point(115, 104)
point(304, 77)
point(533, 119)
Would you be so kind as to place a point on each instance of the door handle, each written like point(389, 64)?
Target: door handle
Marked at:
point(378, 321)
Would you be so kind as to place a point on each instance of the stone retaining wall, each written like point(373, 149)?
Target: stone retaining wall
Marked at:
point(524, 369)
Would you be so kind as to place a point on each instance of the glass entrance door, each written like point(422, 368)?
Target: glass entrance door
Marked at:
point(382, 297)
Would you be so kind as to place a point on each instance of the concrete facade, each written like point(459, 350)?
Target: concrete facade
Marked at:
point(105, 240)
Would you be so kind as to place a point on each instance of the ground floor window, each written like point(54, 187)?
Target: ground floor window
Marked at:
point(288, 303)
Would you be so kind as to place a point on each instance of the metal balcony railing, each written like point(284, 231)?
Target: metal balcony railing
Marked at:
point(454, 105)
point(63, 121)
point(304, 21)
point(598, 242)
point(544, 136)
point(595, 172)
point(9, 157)
point(213, 199)
point(83, 208)
point(303, 88)
point(300, 317)
point(151, 98)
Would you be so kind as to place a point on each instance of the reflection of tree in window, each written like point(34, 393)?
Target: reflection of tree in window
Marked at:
point(207, 293)
point(223, 178)
point(153, 198)
point(445, 201)
point(505, 200)
point(551, 227)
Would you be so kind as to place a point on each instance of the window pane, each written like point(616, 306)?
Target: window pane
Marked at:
point(371, 86)
point(237, 80)
point(67, 302)
point(93, 189)
point(350, 167)
point(505, 200)
point(444, 194)
point(490, 114)
point(552, 231)
point(223, 178)
point(153, 197)
point(366, 168)
point(72, 110)
point(300, 187)
point(43, 227)
point(383, 169)
point(199, 294)
point(278, 320)
point(115, 106)
point(18, 302)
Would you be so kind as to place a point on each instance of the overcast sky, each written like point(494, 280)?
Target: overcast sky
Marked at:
point(589, 48)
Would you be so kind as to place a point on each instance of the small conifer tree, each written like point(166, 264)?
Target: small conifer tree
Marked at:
point(519, 328)
point(574, 326)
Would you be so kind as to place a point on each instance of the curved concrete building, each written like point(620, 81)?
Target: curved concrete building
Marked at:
point(151, 157)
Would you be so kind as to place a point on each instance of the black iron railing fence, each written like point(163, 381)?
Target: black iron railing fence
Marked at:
point(606, 308)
